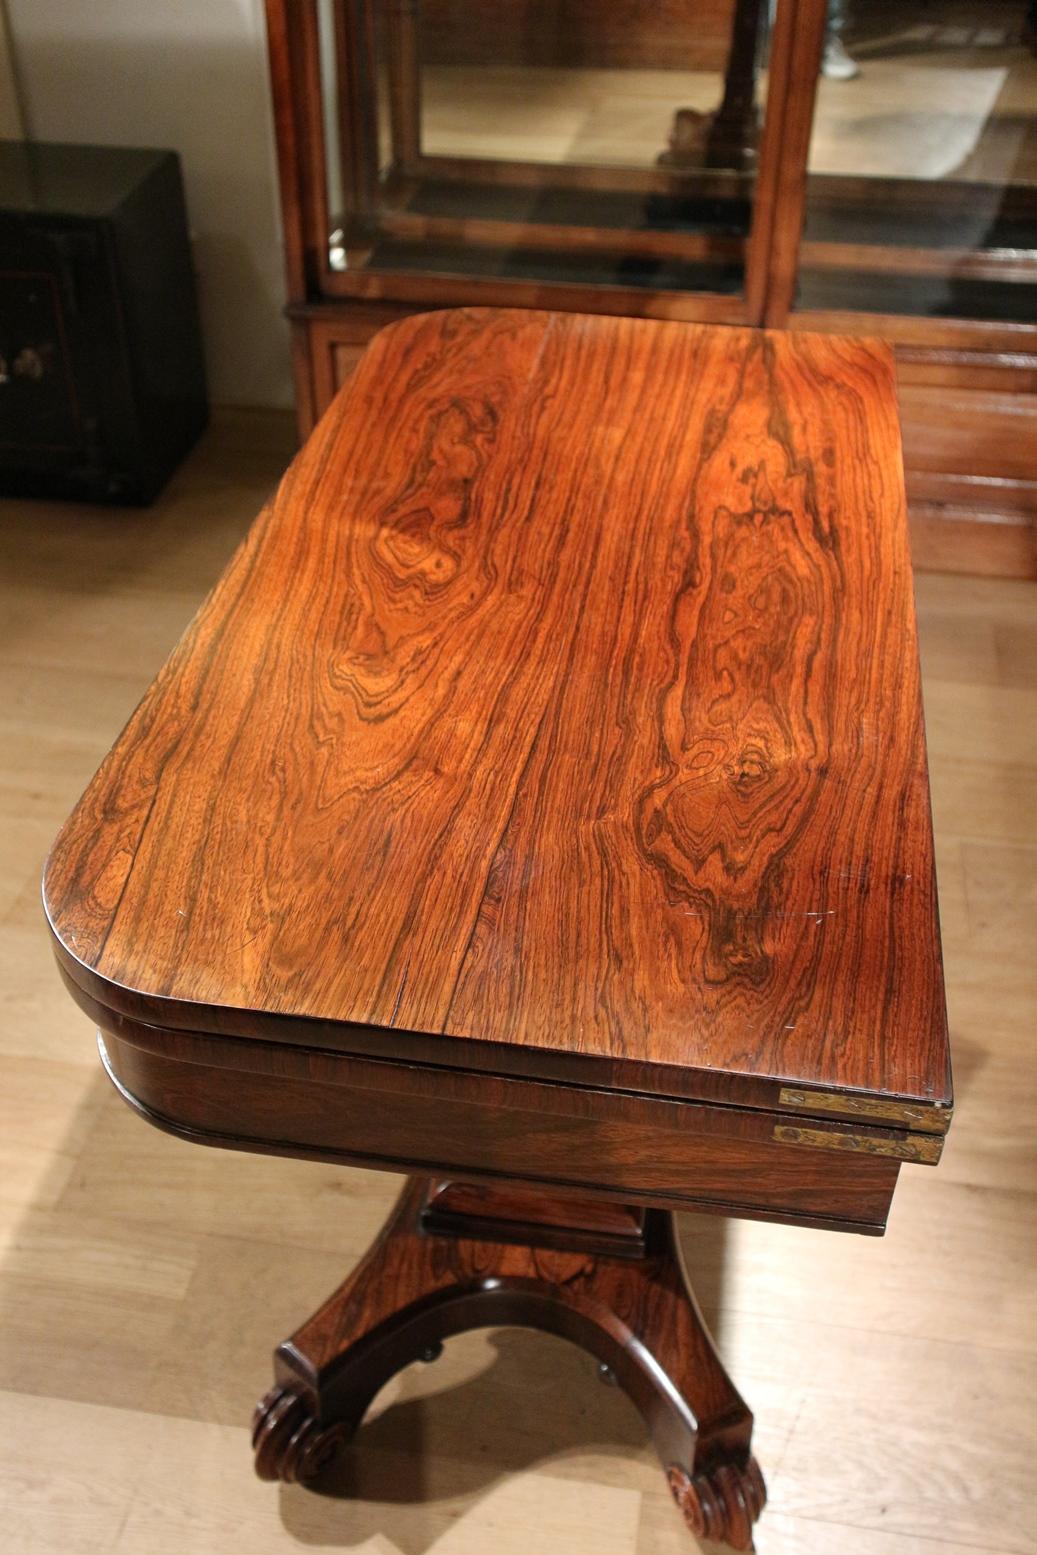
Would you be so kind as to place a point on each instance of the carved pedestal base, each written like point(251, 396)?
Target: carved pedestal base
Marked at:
point(453, 1257)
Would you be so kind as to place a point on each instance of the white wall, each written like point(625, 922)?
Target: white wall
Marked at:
point(191, 75)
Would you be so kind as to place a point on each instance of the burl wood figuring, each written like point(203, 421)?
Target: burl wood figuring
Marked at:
point(539, 805)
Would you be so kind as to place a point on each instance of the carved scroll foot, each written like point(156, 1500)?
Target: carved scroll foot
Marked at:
point(287, 1440)
point(722, 1505)
point(454, 1257)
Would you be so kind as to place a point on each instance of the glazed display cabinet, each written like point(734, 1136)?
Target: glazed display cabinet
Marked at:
point(689, 159)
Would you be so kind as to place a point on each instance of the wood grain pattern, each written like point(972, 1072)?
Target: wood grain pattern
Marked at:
point(145, 1281)
point(535, 1219)
point(566, 698)
point(400, 1118)
point(959, 521)
point(985, 536)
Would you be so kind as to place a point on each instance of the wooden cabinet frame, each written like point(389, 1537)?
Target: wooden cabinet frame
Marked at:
point(294, 37)
point(968, 387)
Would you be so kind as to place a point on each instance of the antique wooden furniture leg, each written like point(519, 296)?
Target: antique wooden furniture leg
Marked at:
point(542, 790)
point(453, 1257)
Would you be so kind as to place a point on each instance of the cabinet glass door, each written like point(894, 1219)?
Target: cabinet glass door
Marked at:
point(922, 186)
point(545, 145)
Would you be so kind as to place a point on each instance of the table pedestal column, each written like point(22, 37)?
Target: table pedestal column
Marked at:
point(453, 1257)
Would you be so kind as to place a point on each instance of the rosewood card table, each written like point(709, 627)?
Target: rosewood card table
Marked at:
point(538, 806)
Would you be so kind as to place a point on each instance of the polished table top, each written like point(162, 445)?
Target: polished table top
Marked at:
point(558, 718)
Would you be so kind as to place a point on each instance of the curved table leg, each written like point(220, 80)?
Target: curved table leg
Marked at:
point(608, 1277)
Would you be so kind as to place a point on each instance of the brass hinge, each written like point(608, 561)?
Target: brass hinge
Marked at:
point(927, 1151)
point(929, 1120)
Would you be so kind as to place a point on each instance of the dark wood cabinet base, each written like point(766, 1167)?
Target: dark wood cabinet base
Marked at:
point(454, 1257)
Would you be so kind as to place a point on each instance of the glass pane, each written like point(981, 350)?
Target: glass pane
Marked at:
point(922, 188)
point(549, 140)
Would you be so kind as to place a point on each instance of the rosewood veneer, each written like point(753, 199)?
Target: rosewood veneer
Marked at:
point(538, 805)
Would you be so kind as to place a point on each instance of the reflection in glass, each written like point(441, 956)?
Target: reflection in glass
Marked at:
point(547, 139)
point(922, 195)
